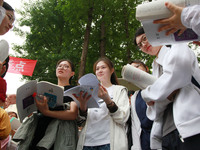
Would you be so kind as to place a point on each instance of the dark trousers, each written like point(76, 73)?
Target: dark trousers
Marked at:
point(101, 147)
point(172, 142)
point(192, 143)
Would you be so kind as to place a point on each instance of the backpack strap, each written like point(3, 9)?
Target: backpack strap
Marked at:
point(195, 82)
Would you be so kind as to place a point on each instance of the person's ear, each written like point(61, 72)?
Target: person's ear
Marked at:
point(147, 68)
point(72, 74)
point(112, 70)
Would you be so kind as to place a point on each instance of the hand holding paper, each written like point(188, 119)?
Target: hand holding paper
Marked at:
point(156, 10)
point(88, 84)
point(173, 23)
point(83, 99)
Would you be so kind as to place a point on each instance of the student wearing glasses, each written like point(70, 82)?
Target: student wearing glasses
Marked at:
point(7, 17)
point(176, 68)
point(56, 128)
point(6, 11)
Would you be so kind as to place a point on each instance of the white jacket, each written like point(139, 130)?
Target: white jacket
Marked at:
point(179, 65)
point(190, 18)
point(136, 126)
point(118, 119)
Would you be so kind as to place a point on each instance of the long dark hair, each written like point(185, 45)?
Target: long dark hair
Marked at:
point(71, 65)
point(113, 77)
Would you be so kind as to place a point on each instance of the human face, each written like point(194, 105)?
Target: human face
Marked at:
point(64, 70)
point(139, 66)
point(103, 72)
point(12, 114)
point(145, 46)
point(7, 22)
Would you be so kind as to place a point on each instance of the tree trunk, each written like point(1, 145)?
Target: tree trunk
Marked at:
point(86, 43)
point(128, 51)
point(103, 36)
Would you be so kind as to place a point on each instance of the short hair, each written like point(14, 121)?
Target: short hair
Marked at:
point(139, 32)
point(7, 6)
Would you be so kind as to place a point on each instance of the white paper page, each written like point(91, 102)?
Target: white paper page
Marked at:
point(148, 12)
point(89, 79)
point(138, 77)
point(54, 93)
point(15, 123)
point(152, 10)
point(156, 38)
point(24, 101)
point(142, 80)
point(157, 10)
point(92, 102)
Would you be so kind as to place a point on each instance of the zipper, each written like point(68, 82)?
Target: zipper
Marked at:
point(181, 138)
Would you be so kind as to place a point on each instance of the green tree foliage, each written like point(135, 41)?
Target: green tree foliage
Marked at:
point(58, 27)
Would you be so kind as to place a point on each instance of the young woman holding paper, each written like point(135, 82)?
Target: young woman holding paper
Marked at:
point(55, 129)
point(105, 126)
point(176, 69)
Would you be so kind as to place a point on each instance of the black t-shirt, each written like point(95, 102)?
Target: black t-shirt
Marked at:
point(67, 98)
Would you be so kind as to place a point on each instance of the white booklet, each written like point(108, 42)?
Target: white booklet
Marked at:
point(25, 101)
point(15, 123)
point(148, 12)
point(88, 83)
point(137, 77)
point(142, 79)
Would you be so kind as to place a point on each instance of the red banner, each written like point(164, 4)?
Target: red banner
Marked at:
point(21, 66)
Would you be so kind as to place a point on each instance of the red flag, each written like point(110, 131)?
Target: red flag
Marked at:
point(21, 66)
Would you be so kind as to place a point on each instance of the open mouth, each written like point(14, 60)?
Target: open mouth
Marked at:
point(60, 71)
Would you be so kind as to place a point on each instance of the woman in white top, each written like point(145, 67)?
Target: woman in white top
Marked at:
point(105, 126)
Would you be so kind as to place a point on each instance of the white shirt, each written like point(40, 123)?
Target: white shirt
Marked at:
point(98, 130)
point(179, 65)
point(190, 18)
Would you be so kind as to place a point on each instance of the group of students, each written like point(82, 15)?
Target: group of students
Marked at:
point(103, 128)
point(165, 115)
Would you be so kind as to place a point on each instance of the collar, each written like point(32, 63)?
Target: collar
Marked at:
point(159, 59)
